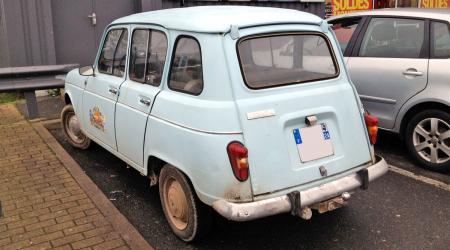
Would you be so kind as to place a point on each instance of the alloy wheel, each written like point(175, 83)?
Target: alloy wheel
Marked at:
point(431, 140)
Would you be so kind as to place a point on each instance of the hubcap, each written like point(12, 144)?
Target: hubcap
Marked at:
point(431, 139)
point(73, 129)
point(176, 203)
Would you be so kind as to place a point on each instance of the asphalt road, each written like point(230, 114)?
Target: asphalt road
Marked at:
point(397, 212)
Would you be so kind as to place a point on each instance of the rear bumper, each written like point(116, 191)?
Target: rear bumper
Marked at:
point(283, 204)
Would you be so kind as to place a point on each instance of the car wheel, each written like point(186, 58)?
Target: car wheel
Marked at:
point(72, 130)
point(188, 217)
point(428, 139)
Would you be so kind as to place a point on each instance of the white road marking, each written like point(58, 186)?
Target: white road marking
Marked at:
point(435, 183)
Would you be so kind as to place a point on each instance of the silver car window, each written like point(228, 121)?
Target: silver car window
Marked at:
point(393, 38)
point(441, 40)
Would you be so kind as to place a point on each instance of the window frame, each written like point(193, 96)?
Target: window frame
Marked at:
point(174, 50)
point(424, 51)
point(432, 43)
point(115, 51)
point(353, 40)
point(150, 29)
point(263, 35)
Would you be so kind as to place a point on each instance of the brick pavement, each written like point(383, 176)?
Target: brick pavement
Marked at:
point(43, 205)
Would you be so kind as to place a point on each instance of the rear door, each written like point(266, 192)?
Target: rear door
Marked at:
point(102, 89)
point(289, 79)
point(148, 52)
point(389, 65)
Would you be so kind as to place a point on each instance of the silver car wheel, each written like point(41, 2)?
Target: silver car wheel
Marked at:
point(431, 140)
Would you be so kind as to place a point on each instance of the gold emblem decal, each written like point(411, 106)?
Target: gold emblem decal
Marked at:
point(97, 119)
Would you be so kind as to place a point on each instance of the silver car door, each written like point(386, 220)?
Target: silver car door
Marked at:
point(389, 65)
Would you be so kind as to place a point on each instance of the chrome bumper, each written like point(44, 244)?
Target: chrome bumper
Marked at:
point(283, 204)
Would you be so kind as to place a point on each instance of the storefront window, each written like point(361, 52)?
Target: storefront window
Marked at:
point(380, 4)
point(407, 3)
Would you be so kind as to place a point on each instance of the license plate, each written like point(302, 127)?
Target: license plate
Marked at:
point(313, 142)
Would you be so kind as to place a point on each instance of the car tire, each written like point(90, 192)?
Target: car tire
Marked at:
point(72, 130)
point(189, 218)
point(427, 138)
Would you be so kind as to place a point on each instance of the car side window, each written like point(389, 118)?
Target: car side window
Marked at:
point(148, 56)
point(440, 40)
point(344, 29)
point(393, 38)
point(113, 56)
point(186, 73)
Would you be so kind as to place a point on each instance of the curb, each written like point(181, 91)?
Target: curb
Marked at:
point(119, 222)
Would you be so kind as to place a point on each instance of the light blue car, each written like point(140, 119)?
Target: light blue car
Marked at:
point(246, 110)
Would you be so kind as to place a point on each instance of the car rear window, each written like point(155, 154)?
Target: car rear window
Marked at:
point(283, 59)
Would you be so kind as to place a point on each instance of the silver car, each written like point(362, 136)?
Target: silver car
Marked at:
point(399, 61)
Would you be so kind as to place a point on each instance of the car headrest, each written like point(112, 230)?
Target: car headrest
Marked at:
point(410, 33)
point(383, 32)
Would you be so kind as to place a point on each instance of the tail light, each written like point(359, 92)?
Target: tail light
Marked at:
point(372, 127)
point(238, 155)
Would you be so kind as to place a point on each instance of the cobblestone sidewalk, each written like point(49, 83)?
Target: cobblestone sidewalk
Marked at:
point(43, 206)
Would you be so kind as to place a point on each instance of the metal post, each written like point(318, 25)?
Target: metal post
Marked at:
point(32, 108)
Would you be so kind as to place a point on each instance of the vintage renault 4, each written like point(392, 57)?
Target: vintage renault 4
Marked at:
point(246, 110)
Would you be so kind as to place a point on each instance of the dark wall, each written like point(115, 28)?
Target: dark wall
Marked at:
point(36, 32)
point(26, 33)
point(315, 8)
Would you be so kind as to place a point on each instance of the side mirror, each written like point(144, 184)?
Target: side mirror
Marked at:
point(86, 71)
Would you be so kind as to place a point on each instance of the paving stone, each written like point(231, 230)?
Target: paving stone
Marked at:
point(44, 207)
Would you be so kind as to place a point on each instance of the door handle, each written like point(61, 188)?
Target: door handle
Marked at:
point(145, 101)
point(93, 18)
point(113, 91)
point(412, 72)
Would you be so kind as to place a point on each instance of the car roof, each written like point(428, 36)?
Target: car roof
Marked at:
point(218, 19)
point(442, 14)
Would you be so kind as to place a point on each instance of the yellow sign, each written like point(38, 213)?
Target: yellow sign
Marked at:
point(435, 3)
point(338, 7)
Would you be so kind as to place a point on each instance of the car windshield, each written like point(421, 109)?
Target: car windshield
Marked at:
point(283, 59)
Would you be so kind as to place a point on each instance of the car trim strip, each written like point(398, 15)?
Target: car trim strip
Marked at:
point(377, 99)
point(198, 130)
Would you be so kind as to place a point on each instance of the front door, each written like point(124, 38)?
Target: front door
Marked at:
point(389, 65)
point(138, 92)
point(102, 89)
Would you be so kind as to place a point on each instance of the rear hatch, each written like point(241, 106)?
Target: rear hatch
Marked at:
point(283, 149)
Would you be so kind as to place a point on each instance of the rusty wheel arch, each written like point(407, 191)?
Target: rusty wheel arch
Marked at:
point(154, 166)
point(67, 99)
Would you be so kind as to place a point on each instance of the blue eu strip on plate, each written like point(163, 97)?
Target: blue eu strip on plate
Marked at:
point(297, 137)
point(326, 133)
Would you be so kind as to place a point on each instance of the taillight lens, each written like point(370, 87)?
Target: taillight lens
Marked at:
point(372, 127)
point(238, 155)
